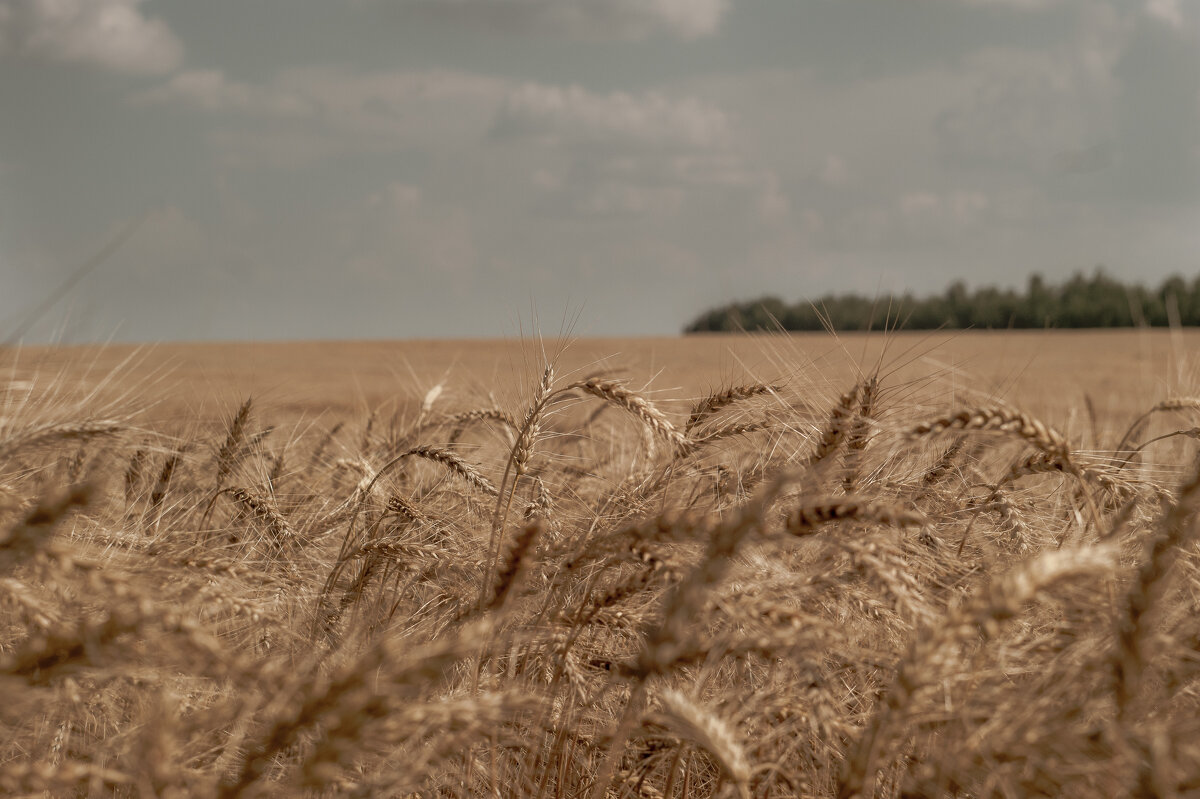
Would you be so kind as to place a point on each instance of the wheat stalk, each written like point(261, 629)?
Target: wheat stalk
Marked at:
point(457, 465)
point(231, 449)
point(711, 733)
point(928, 652)
point(835, 428)
point(1169, 404)
point(814, 514)
point(721, 400)
point(63, 431)
point(999, 418)
point(615, 393)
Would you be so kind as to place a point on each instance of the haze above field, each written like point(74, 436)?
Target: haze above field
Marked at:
point(437, 168)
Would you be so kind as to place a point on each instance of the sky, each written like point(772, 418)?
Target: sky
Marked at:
point(346, 169)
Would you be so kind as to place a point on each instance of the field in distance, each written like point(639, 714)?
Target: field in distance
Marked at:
point(901, 565)
point(1046, 372)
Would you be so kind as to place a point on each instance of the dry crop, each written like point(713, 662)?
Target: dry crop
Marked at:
point(772, 591)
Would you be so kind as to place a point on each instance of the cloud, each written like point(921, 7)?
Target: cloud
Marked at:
point(211, 90)
point(314, 112)
point(1024, 109)
point(573, 115)
point(1020, 5)
point(634, 156)
point(397, 231)
point(1168, 12)
point(1158, 115)
point(110, 34)
point(586, 19)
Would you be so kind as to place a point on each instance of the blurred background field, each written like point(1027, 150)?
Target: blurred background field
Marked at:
point(1050, 373)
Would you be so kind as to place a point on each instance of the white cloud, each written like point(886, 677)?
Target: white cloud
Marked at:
point(111, 34)
point(619, 19)
point(573, 115)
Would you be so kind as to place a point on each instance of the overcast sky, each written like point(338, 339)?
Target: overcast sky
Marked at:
point(454, 168)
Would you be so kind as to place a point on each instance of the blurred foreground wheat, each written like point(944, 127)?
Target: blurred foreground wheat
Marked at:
point(772, 591)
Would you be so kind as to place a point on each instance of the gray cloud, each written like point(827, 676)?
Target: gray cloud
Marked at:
point(111, 34)
point(210, 90)
point(413, 168)
point(586, 19)
point(312, 113)
point(1158, 115)
point(576, 116)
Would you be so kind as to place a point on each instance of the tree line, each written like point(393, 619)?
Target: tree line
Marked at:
point(1096, 300)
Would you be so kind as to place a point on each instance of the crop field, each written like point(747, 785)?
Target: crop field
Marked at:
point(887, 564)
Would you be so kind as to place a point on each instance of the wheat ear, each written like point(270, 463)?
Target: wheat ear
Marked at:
point(813, 514)
point(614, 393)
point(1169, 404)
point(67, 431)
point(835, 428)
point(1147, 588)
point(1000, 418)
point(712, 734)
point(264, 509)
point(720, 400)
point(231, 449)
point(457, 465)
point(517, 466)
point(859, 433)
point(33, 532)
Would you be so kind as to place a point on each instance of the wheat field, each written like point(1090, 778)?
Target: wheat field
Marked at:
point(893, 565)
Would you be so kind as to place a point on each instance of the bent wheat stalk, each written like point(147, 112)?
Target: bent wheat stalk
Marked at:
point(930, 653)
point(999, 418)
point(714, 403)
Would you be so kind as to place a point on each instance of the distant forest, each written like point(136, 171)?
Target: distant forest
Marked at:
point(1083, 301)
